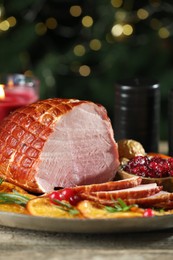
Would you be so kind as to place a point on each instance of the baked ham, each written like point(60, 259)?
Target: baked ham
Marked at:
point(57, 143)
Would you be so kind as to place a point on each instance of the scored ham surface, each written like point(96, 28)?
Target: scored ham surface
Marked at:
point(58, 143)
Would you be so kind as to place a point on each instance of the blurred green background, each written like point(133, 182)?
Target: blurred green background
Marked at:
point(81, 48)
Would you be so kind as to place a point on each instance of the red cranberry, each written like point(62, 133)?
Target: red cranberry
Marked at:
point(66, 194)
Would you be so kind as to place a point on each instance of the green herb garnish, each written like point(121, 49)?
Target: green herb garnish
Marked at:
point(13, 198)
point(67, 207)
point(120, 206)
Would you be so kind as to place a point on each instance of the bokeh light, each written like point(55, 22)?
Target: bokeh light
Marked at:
point(95, 44)
point(117, 30)
point(4, 25)
point(87, 21)
point(75, 10)
point(12, 21)
point(164, 33)
point(116, 3)
point(51, 23)
point(127, 29)
point(79, 50)
point(142, 14)
point(84, 70)
point(40, 28)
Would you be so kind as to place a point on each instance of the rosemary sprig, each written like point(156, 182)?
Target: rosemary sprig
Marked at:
point(66, 207)
point(1, 181)
point(120, 206)
point(13, 198)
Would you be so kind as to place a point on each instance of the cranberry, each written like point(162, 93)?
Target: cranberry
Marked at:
point(153, 167)
point(66, 194)
point(148, 213)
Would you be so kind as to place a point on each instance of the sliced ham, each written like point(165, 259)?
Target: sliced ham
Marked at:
point(162, 199)
point(109, 186)
point(58, 143)
point(140, 191)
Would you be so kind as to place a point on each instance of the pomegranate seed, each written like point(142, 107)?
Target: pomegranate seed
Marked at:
point(148, 213)
point(153, 167)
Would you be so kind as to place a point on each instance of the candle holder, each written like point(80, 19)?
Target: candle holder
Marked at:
point(17, 90)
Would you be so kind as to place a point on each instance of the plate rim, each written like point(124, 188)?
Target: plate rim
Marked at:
point(77, 225)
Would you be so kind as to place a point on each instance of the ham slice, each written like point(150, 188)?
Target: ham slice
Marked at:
point(58, 143)
point(161, 199)
point(140, 191)
point(109, 186)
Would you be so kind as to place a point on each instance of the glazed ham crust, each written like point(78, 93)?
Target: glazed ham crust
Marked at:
point(57, 143)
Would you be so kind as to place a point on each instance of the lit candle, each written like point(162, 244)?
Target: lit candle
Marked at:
point(14, 96)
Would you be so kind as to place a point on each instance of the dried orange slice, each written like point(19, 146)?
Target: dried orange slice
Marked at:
point(92, 210)
point(42, 206)
point(15, 208)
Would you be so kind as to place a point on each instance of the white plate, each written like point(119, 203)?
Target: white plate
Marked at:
point(86, 225)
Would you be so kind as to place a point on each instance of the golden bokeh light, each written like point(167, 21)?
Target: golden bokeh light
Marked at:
point(40, 28)
point(87, 21)
point(51, 23)
point(4, 25)
point(95, 44)
point(117, 30)
point(84, 70)
point(127, 29)
point(116, 3)
point(12, 21)
point(142, 14)
point(79, 50)
point(164, 33)
point(75, 10)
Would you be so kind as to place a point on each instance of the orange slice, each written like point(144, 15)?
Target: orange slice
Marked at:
point(93, 210)
point(15, 208)
point(42, 206)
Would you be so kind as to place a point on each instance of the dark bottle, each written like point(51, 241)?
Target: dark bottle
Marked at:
point(137, 112)
point(170, 123)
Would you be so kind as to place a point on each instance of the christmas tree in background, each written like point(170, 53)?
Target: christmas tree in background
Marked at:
point(80, 48)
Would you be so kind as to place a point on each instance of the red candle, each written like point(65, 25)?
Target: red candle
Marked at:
point(14, 97)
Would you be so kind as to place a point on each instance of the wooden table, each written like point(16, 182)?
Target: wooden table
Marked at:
point(21, 244)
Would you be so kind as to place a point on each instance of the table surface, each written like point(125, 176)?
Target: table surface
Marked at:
point(21, 244)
